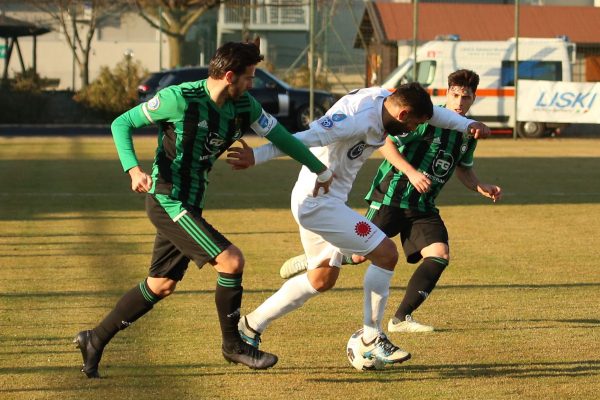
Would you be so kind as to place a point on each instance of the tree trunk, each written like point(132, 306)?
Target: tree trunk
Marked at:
point(175, 51)
point(85, 69)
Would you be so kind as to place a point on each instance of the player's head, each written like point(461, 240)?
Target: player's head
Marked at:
point(462, 85)
point(410, 106)
point(235, 63)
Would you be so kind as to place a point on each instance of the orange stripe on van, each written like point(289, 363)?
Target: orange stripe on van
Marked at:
point(480, 92)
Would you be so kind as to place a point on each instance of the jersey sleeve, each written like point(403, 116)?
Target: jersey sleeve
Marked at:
point(267, 126)
point(466, 160)
point(167, 105)
point(444, 118)
point(261, 122)
point(337, 125)
point(122, 130)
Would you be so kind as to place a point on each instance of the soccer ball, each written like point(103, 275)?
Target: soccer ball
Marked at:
point(355, 357)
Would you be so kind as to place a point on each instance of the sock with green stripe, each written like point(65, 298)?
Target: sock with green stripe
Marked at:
point(134, 304)
point(420, 285)
point(228, 298)
point(347, 260)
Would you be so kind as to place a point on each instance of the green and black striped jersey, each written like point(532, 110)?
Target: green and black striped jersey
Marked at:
point(193, 133)
point(433, 151)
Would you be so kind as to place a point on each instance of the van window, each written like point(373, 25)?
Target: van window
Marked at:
point(531, 70)
point(425, 73)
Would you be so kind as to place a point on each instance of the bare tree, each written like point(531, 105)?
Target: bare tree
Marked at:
point(78, 20)
point(174, 18)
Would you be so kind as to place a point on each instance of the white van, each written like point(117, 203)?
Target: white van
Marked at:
point(539, 59)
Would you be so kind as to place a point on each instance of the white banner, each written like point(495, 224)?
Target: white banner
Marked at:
point(570, 102)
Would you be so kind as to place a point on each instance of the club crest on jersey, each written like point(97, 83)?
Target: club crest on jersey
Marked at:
point(337, 117)
point(213, 143)
point(238, 128)
point(463, 148)
point(356, 150)
point(362, 229)
point(326, 122)
point(443, 163)
point(153, 103)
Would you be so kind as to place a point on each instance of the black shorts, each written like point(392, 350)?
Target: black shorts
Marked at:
point(417, 229)
point(181, 235)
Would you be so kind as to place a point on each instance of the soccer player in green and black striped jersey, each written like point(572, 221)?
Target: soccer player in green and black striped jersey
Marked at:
point(402, 196)
point(197, 122)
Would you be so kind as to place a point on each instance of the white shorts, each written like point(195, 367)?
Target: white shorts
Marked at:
point(330, 229)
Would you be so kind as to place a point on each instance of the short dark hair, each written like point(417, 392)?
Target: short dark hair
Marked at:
point(465, 78)
point(233, 56)
point(413, 95)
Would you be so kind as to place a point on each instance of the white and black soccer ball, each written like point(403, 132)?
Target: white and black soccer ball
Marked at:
point(355, 356)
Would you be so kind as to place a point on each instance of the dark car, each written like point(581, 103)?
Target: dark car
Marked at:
point(289, 105)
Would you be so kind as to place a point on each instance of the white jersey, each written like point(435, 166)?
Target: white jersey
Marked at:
point(351, 130)
point(345, 137)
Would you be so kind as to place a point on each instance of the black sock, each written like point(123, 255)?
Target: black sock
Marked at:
point(420, 285)
point(135, 303)
point(228, 298)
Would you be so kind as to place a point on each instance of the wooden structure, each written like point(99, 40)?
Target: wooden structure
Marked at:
point(11, 30)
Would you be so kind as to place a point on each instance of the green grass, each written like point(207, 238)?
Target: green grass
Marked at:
point(516, 311)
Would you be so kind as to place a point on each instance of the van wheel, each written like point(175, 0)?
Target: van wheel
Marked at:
point(303, 117)
point(530, 129)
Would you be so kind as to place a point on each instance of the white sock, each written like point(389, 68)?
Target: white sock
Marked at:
point(376, 288)
point(292, 294)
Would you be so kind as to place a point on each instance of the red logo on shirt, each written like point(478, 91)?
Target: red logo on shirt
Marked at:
point(362, 229)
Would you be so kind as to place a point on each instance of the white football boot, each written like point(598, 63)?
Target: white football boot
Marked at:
point(409, 325)
point(293, 266)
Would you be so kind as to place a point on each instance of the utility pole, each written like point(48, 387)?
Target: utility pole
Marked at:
point(311, 59)
point(415, 34)
point(160, 39)
point(516, 73)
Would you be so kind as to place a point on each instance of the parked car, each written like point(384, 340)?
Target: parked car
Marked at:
point(289, 105)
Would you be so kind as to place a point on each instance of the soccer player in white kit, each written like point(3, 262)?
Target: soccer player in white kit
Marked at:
point(343, 140)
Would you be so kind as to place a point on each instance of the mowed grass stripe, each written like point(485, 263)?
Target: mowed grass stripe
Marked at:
point(515, 311)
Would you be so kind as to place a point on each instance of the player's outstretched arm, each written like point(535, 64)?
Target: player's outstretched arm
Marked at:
point(244, 157)
point(471, 181)
point(444, 118)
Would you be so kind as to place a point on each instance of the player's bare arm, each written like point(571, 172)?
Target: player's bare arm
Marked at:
point(393, 155)
point(491, 191)
point(140, 181)
point(468, 178)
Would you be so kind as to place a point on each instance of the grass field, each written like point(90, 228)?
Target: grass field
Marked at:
point(517, 311)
